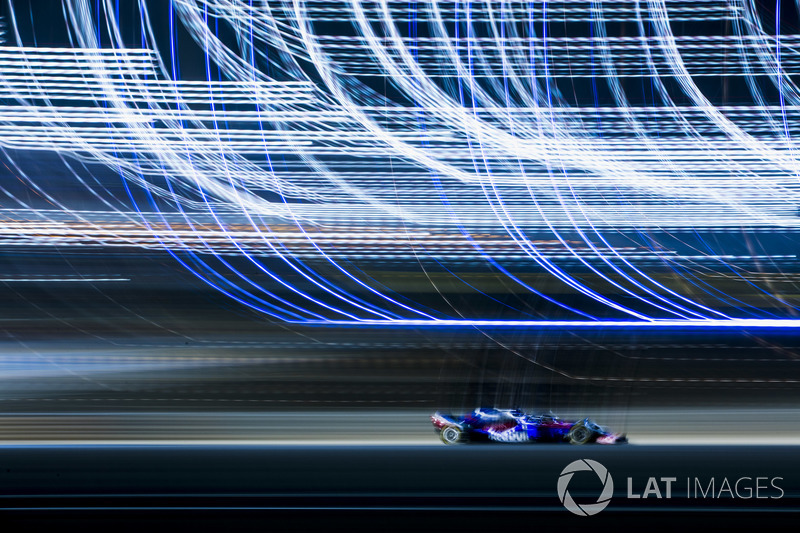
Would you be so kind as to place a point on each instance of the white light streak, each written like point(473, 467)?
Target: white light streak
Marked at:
point(473, 152)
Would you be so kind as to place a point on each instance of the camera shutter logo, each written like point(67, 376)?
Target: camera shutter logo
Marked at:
point(582, 465)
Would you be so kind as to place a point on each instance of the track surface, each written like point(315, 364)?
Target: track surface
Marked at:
point(371, 427)
point(460, 487)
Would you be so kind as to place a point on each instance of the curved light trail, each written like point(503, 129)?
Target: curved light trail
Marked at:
point(627, 152)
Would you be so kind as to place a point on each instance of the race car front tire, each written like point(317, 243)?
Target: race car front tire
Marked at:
point(580, 434)
point(451, 435)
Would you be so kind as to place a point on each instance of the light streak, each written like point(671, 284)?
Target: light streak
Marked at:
point(286, 154)
point(60, 280)
point(569, 324)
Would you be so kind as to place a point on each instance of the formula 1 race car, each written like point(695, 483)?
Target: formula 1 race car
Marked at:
point(513, 425)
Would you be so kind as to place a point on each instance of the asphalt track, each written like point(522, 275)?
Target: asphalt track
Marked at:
point(392, 488)
point(379, 427)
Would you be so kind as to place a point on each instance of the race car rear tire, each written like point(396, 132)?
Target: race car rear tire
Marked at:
point(451, 435)
point(580, 434)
